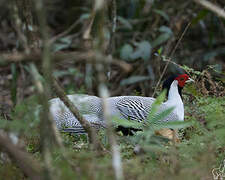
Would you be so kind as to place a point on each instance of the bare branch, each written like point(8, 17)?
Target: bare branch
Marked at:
point(28, 165)
point(81, 57)
point(40, 89)
point(18, 26)
point(116, 160)
point(47, 130)
point(87, 31)
point(212, 7)
point(58, 36)
point(86, 125)
point(103, 91)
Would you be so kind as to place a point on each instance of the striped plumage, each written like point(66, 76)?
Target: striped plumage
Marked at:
point(126, 107)
point(89, 106)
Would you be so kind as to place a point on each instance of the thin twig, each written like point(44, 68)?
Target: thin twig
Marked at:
point(87, 30)
point(40, 89)
point(116, 160)
point(176, 46)
point(111, 46)
point(86, 125)
point(18, 27)
point(103, 91)
point(48, 134)
point(27, 164)
point(58, 36)
point(180, 66)
point(47, 130)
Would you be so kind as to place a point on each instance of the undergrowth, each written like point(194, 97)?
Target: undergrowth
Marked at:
point(201, 149)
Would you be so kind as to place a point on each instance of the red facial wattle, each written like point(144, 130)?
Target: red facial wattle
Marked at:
point(182, 79)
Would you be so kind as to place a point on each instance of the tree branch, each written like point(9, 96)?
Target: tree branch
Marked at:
point(81, 57)
point(103, 90)
point(86, 125)
point(27, 164)
point(212, 7)
point(47, 126)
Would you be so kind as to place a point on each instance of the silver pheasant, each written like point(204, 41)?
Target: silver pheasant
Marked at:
point(126, 107)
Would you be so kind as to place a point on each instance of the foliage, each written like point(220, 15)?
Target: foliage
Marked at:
point(147, 139)
point(143, 28)
point(201, 149)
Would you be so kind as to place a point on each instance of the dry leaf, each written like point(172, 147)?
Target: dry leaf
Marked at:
point(168, 133)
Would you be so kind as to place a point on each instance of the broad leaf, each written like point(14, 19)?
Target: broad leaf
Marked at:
point(161, 115)
point(143, 51)
point(162, 13)
point(161, 39)
point(125, 23)
point(127, 123)
point(155, 106)
point(175, 124)
point(126, 51)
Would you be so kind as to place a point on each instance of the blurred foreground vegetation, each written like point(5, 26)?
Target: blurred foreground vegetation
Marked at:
point(147, 33)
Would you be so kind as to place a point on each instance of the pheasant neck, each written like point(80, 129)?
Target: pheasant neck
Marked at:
point(174, 100)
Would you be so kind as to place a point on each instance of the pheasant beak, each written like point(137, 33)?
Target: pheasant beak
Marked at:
point(190, 80)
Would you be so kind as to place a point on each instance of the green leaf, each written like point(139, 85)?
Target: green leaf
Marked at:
point(84, 16)
point(126, 24)
point(126, 51)
point(192, 89)
point(165, 29)
point(159, 51)
point(166, 34)
point(199, 17)
point(14, 83)
point(4, 124)
point(70, 71)
point(162, 13)
point(220, 133)
point(126, 123)
point(161, 39)
point(62, 43)
point(133, 80)
point(177, 124)
point(25, 117)
point(143, 51)
point(162, 115)
point(214, 53)
point(155, 106)
point(218, 68)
